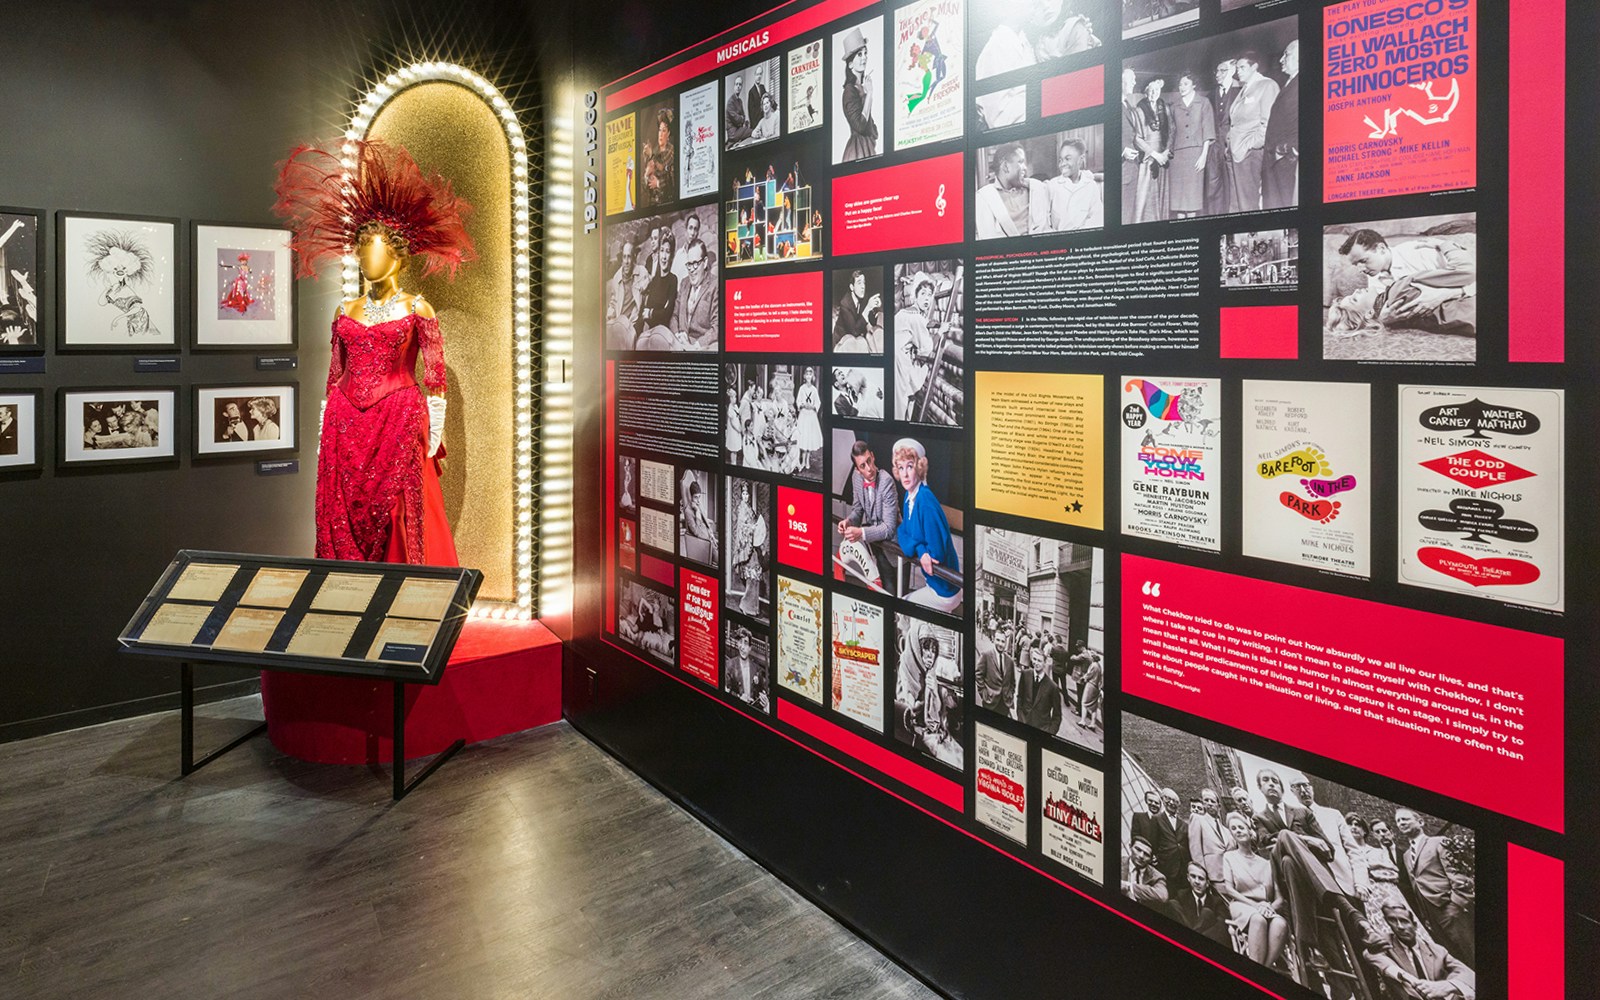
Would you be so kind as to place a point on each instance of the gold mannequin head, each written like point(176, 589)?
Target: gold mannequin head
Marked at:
point(381, 253)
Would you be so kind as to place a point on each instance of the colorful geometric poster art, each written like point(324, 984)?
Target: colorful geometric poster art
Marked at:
point(929, 57)
point(1481, 492)
point(1073, 810)
point(1307, 490)
point(1401, 98)
point(858, 661)
point(1172, 461)
point(800, 638)
point(620, 191)
point(697, 140)
point(1002, 783)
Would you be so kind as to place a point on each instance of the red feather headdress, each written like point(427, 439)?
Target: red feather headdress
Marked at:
point(326, 204)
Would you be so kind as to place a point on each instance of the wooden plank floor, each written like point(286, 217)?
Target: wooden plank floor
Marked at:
point(530, 866)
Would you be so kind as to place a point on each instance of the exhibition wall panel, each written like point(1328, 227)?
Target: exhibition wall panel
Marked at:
point(1133, 440)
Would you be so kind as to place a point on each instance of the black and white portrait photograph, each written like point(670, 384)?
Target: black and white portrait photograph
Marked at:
point(1324, 883)
point(19, 430)
point(1048, 183)
point(1268, 259)
point(107, 426)
point(752, 110)
point(1011, 34)
point(1002, 108)
point(771, 418)
point(658, 154)
point(245, 419)
point(1143, 17)
point(661, 283)
point(747, 573)
point(1401, 289)
point(1212, 126)
point(1041, 633)
point(21, 278)
point(628, 485)
point(897, 506)
point(648, 620)
point(858, 392)
point(856, 313)
point(118, 278)
point(243, 287)
point(928, 366)
point(859, 77)
point(745, 659)
point(697, 516)
point(929, 714)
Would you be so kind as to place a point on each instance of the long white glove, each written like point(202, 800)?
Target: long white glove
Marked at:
point(436, 410)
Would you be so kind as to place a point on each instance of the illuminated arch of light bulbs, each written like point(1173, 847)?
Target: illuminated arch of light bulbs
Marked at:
point(360, 121)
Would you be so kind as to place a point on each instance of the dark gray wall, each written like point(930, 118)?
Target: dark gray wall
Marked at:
point(177, 109)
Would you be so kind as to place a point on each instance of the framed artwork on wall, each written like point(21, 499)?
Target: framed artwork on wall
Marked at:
point(243, 288)
point(21, 279)
point(246, 418)
point(116, 426)
point(117, 283)
point(21, 437)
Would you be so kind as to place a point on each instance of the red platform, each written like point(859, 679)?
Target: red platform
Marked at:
point(503, 677)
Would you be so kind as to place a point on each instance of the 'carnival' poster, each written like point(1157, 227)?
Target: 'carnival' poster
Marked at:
point(800, 638)
point(1171, 460)
point(1401, 98)
point(1002, 782)
point(806, 97)
point(858, 660)
point(1307, 474)
point(697, 145)
point(619, 166)
point(928, 72)
point(1074, 804)
point(1481, 492)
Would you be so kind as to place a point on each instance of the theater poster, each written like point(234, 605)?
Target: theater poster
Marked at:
point(619, 165)
point(807, 100)
point(928, 71)
point(800, 638)
point(1307, 486)
point(1400, 93)
point(858, 660)
point(1072, 815)
point(697, 145)
point(1481, 492)
point(1171, 460)
point(1002, 782)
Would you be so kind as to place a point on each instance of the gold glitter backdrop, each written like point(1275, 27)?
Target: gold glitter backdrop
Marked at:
point(449, 128)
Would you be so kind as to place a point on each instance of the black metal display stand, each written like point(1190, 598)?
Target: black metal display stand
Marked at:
point(360, 605)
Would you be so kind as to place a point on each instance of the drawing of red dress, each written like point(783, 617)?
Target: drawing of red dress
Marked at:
point(378, 495)
point(238, 298)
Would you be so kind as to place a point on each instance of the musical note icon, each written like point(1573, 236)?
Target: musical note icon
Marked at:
point(940, 202)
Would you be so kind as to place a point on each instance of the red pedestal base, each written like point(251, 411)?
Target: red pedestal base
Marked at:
point(503, 677)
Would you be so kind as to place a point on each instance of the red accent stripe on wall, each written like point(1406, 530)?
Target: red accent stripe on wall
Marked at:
point(1535, 932)
point(779, 31)
point(611, 491)
point(940, 789)
point(1537, 183)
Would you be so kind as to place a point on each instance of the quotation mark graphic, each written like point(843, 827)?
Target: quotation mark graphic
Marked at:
point(939, 202)
point(1150, 589)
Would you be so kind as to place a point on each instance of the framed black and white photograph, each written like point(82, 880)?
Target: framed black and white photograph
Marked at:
point(117, 426)
point(771, 420)
point(243, 287)
point(248, 418)
point(928, 356)
point(21, 442)
point(698, 530)
point(21, 278)
point(747, 573)
point(117, 282)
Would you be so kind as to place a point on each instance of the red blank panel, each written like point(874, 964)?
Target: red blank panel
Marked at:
point(1072, 92)
point(1535, 925)
point(1261, 332)
point(1536, 182)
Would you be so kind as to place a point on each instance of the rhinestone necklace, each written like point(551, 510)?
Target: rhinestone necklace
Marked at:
point(382, 312)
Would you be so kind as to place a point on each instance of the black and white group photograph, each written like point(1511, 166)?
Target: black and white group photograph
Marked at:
point(1333, 887)
point(929, 360)
point(1143, 17)
point(860, 76)
point(697, 516)
point(858, 392)
point(1267, 259)
point(747, 571)
point(771, 418)
point(1401, 289)
point(244, 419)
point(1212, 126)
point(21, 270)
point(1051, 183)
point(661, 283)
point(116, 425)
point(1012, 34)
point(745, 666)
point(648, 618)
point(856, 315)
point(1041, 634)
point(19, 430)
point(753, 104)
point(929, 714)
